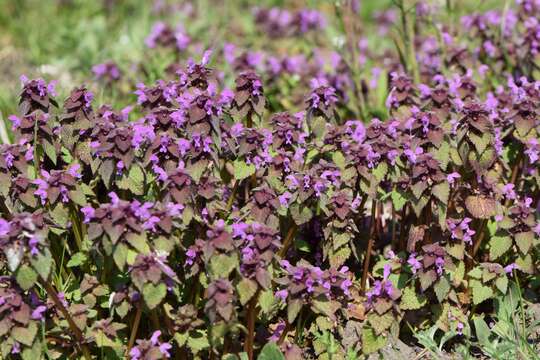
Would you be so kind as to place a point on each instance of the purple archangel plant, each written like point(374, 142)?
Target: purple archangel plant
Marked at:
point(331, 199)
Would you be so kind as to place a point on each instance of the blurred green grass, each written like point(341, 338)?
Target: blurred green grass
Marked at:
point(62, 39)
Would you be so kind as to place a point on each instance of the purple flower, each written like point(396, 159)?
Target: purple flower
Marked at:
point(37, 313)
point(276, 334)
point(162, 174)
point(536, 229)
point(282, 294)
point(382, 288)
point(151, 223)
point(414, 263)
point(191, 255)
point(141, 134)
point(73, 170)
point(43, 186)
point(229, 51)
point(533, 150)
point(155, 337)
point(239, 230)
point(4, 227)
point(88, 213)
point(345, 285)
point(425, 90)
point(141, 96)
point(412, 155)
point(510, 268)
point(285, 198)
point(15, 121)
point(33, 243)
point(439, 264)
point(115, 200)
point(135, 353)
point(460, 328)
point(451, 178)
point(508, 191)
point(164, 349)
point(174, 210)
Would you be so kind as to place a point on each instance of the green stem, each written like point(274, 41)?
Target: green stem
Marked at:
point(251, 315)
point(134, 329)
point(77, 232)
point(77, 333)
point(288, 240)
point(36, 154)
point(231, 198)
point(372, 232)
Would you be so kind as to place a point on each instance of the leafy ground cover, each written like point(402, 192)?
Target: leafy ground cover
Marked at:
point(270, 180)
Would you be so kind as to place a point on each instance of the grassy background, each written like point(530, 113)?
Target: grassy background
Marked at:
point(63, 39)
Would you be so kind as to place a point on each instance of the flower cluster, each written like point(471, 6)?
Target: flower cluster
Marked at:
point(403, 193)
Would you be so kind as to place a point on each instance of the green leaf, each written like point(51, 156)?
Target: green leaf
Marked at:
point(427, 279)
point(480, 142)
point(133, 181)
point(26, 277)
point(42, 263)
point(339, 257)
point(481, 207)
point(380, 323)
point(77, 259)
point(139, 242)
point(136, 174)
point(418, 189)
point(442, 191)
point(339, 160)
point(524, 241)
point(106, 171)
point(5, 184)
point(476, 273)
point(380, 171)
point(325, 307)
point(50, 150)
point(480, 292)
point(120, 255)
point(267, 300)
point(525, 263)
point(221, 265)
point(60, 215)
point(300, 214)
point(293, 308)
point(270, 351)
point(154, 294)
point(103, 340)
point(411, 300)
point(34, 352)
point(318, 127)
point(25, 335)
point(398, 200)
point(197, 169)
point(371, 342)
point(482, 330)
point(419, 205)
point(442, 287)
point(246, 289)
point(198, 341)
point(443, 155)
point(243, 170)
point(498, 245)
point(456, 250)
point(502, 283)
point(78, 197)
point(340, 239)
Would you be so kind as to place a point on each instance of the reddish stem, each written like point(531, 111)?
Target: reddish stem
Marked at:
point(373, 230)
